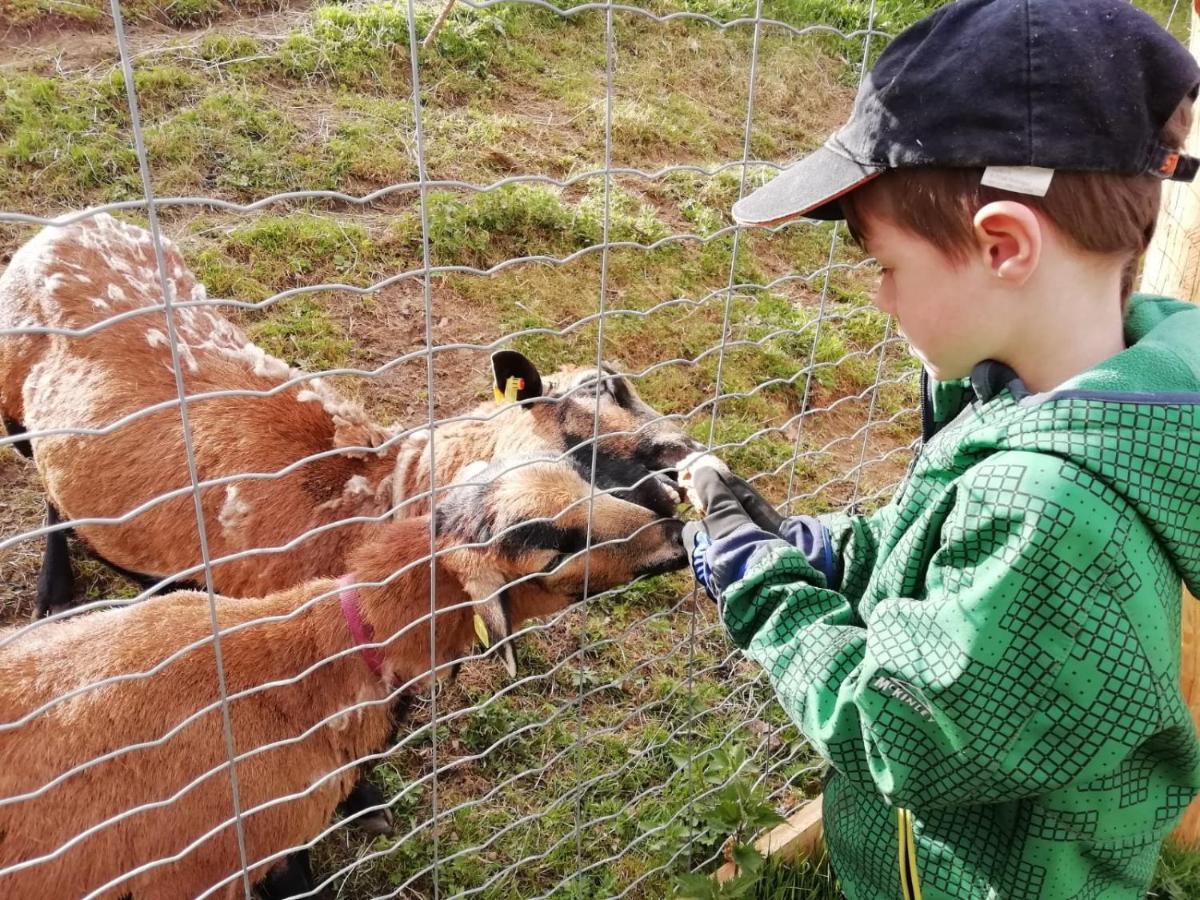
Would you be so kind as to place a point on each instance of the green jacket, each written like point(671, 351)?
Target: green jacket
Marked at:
point(991, 661)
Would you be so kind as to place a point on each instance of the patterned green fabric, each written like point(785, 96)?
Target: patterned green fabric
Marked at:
point(1002, 655)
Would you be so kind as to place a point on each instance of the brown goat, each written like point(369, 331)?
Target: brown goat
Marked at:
point(531, 519)
point(77, 276)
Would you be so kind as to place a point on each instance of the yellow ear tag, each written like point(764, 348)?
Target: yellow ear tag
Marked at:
point(481, 632)
point(512, 390)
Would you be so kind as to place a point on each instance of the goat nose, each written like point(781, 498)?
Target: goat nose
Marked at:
point(673, 529)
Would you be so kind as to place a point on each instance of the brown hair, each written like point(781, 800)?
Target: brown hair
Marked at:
point(1101, 212)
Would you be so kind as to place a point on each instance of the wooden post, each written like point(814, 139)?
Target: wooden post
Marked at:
point(801, 835)
point(1173, 268)
point(437, 25)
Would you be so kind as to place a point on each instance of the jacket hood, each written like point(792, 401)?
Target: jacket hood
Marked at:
point(1133, 421)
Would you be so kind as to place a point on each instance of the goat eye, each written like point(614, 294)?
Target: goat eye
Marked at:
point(557, 560)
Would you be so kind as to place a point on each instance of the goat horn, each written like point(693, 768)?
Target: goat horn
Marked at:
point(493, 627)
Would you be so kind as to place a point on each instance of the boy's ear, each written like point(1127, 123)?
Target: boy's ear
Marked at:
point(1009, 239)
point(516, 378)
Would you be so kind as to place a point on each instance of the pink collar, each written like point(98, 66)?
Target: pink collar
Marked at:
point(361, 631)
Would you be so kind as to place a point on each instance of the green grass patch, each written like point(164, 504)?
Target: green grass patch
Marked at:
point(273, 253)
point(523, 219)
point(300, 331)
point(95, 14)
point(1177, 876)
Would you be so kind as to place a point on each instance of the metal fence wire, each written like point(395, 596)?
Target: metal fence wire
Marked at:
point(633, 740)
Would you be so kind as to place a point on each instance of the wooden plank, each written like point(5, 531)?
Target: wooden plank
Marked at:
point(1188, 831)
point(801, 835)
point(1173, 268)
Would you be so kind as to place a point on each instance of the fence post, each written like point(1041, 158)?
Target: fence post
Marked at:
point(1173, 268)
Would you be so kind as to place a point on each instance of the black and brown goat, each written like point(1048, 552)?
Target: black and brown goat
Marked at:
point(77, 276)
point(141, 764)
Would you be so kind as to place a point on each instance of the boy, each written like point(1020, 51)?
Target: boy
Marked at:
point(991, 662)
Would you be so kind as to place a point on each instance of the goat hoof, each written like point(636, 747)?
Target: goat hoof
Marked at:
point(377, 824)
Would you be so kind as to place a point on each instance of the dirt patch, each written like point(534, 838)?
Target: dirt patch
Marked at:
point(64, 44)
point(392, 325)
point(21, 511)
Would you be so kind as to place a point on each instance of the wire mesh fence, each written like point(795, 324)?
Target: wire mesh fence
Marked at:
point(370, 222)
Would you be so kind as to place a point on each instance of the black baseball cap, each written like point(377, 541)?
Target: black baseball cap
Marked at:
point(1082, 85)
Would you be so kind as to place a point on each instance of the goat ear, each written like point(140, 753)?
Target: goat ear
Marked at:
point(516, 378)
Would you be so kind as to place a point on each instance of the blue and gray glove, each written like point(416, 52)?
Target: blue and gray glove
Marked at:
point(739, 523)
point(736, 522)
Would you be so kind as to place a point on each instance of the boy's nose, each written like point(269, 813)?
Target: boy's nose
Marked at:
point(885, 303)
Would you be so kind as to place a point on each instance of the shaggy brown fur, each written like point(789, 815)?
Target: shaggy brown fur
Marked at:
point(531, 518)
point(79, 275)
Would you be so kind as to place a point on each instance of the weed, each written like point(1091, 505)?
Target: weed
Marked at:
point(521, 220)
point(301, 248)
point(348, 46)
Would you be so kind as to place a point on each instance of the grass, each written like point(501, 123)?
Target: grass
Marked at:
point(1177, 876)
point(88, 14)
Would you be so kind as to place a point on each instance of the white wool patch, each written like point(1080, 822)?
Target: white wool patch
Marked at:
point(471, 471)
point(55, 282)
point(356, 484)
point(156, 338)
point(343, 411)
point(483, 586)
point(265, 365)
point(362, 703)
point(115, 292)
point(234, 511)
point(63, 391)
point(189, 358)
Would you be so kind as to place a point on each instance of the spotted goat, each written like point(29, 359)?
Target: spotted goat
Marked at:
point(323, 467)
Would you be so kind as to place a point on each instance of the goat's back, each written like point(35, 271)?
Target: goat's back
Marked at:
point(181, 763)
point(117, 379)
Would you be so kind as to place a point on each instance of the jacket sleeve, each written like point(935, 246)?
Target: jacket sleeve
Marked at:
point(1021, 669)
point(839, 549)
point(849, 543)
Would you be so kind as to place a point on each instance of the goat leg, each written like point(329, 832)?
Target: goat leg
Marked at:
point(291, 878)
point(367, 796)
point(56, 582)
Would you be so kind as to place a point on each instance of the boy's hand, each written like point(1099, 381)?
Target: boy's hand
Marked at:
point(721, 496)
point(729, 505)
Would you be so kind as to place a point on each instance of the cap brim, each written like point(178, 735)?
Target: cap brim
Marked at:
point(809, 188)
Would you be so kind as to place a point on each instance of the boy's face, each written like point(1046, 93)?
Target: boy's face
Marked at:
point(943, 307)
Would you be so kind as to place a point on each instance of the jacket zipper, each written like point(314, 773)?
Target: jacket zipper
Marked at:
point(928, 427)
point(906, 843)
